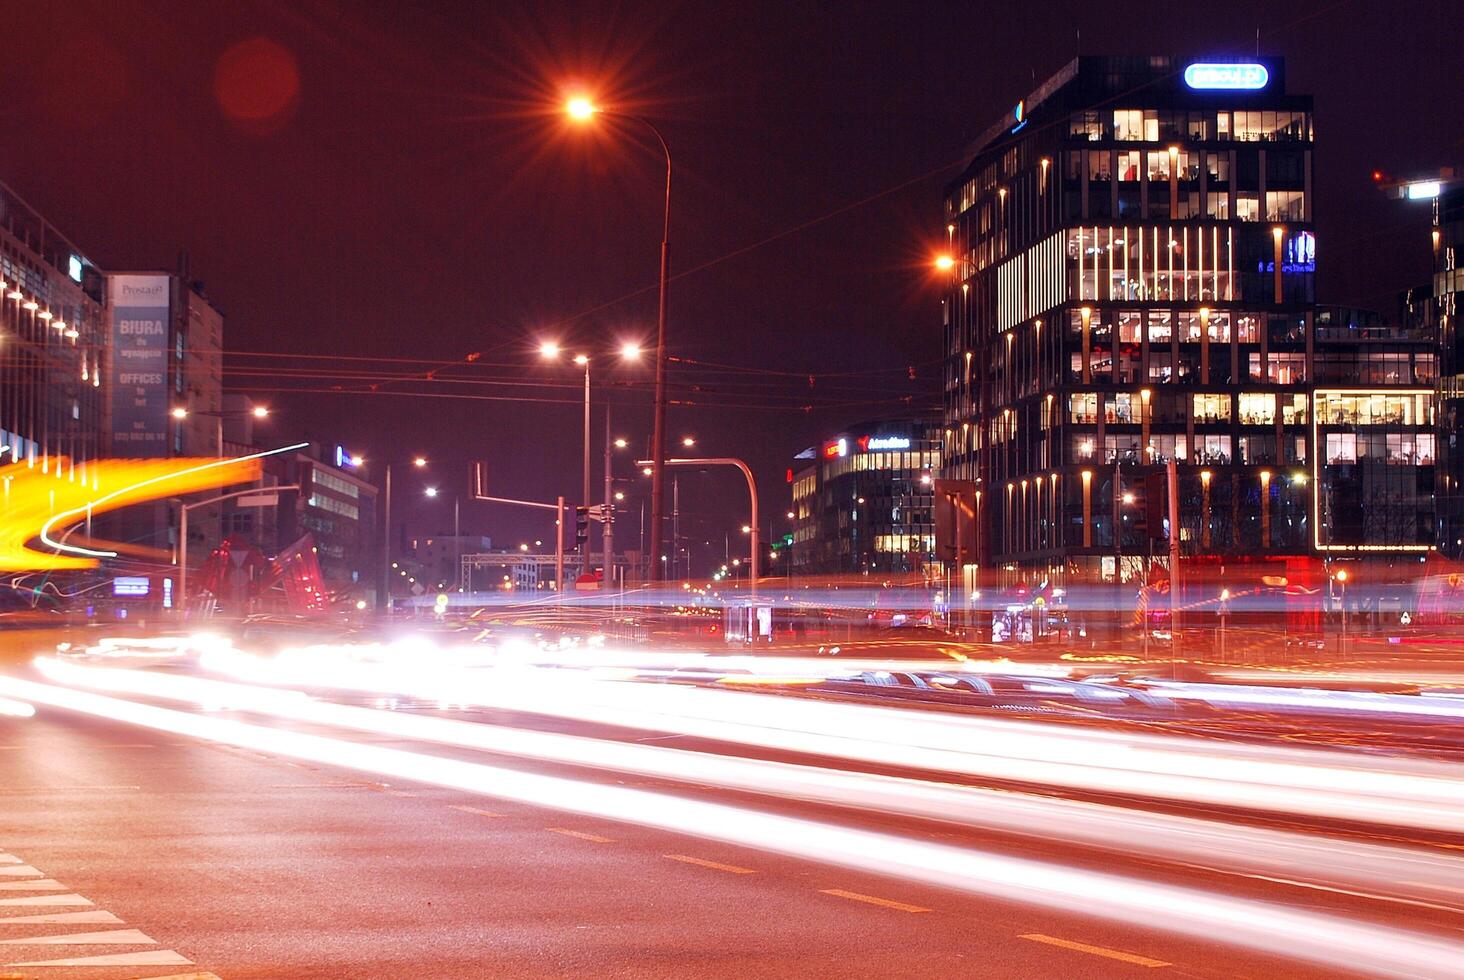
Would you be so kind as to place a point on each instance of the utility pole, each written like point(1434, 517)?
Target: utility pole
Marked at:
point(609, 513)
point(1172, 474)
point(559, 546)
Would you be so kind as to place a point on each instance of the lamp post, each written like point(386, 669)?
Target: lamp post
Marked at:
point(751, 527)
point(258, 412)
point(457, 544)
point(549, 350)
point(583, 109)
point(420, 462)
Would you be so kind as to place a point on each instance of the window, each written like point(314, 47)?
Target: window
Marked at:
point(1217, 167)
point(1211, 408)
point(1158, 165)
point(1163, 448)
point(1280, 368)
point(1098, 165)
point(1285, 206)
point(1258, 449)
point(1217, 205)
point(1248, 328)
point(1219, 327)
point(1083, 447)
point(1293, 410)
point(1247, 207)
point(1258, 408)
point(1212, 449)
point(1160, 330)
point(1128, 165)
point(1189, 328)
point(1122, 407)
point(1425, 368)
point(1083, 407)
point(1130, 326)
point(1161, 366)
point(1341, 447)
point(1086, 125)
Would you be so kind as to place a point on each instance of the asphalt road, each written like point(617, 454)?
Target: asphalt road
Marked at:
point(237, 864)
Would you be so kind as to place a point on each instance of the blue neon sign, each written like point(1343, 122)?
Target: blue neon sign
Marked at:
point(1239, 75)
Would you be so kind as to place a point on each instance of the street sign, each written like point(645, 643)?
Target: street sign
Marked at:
point(257, 500)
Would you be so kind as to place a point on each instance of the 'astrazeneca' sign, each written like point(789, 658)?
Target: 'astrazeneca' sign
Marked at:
point(872, 443)
point(1241, 75)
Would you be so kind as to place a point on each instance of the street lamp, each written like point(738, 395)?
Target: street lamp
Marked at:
point(258, 411)
point(457, 540)
point(583, 110)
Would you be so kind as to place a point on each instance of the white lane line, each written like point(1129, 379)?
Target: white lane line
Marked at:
point(473, 809)
point(161, 957)
point(112, 937)
point(9, 859)
point(38, 885)
point(20, 871)
point(47, 900)
point(95, 917)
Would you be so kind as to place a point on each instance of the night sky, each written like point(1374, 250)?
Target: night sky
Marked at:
point(396, 181)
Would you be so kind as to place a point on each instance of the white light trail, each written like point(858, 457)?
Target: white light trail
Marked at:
point(1420, 876)
point(1329, 940)
point(1314, 782)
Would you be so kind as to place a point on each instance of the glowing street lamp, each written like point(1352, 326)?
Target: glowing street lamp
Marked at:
point(430, 491)
point(581, 109)
point(688, 442)
point(944, 263)
point(419, 462)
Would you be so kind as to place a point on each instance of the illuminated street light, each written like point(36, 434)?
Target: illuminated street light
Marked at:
point(746, 529)
point(790, 515)
point(619, 495)
point(646, 471)
point(630, 352)
point(621, 443)
point(580, 108)
point(944, 263)
point(688, 442)
point(180, 412)
point(549, 349)
point(524, 546)
point(581, 360)
point(1128, 498)
point(260, 412)
point(430, 491)
point(420, 462)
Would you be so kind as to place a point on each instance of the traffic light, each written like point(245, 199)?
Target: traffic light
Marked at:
point(581, 525)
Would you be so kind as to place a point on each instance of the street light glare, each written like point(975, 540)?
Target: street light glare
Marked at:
point(580, 108)
point(549, 349)
point(261, 412)
point(420, 462)
point(688, 442)
point(180, 413)
point(944, 263)
point(630, 352)
point(621, 443)
point(431, 491)
point(581, 359)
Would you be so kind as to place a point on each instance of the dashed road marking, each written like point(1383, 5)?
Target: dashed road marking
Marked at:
point(1112, 954)
point(95, 917)
point(112, 937)
point(581, 835)
point(38, 885)
point(158, 957)
point(714, 865)
point(10, 859)
point(19, 871)
point(47, 900)
point(473, 809)
point(872, 900)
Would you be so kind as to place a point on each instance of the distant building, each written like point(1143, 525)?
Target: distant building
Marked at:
point(862, 499)
point(54, 341)
point(336, 507)
point(438, 557)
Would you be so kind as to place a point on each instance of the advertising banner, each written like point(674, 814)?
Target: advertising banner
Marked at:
point(140, 310)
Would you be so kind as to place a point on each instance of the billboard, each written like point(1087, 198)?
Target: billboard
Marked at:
point(140, 404)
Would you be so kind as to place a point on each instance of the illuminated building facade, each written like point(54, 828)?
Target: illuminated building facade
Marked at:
point(862, 500)
point(1133, 283)
point(53, 342)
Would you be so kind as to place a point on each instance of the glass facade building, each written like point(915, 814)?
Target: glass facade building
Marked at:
point(1133, 283)
point(862, 500)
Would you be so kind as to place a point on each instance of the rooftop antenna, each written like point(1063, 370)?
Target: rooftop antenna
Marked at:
point(1080, 42)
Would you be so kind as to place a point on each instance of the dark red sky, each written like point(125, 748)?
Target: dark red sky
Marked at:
point(391, 179)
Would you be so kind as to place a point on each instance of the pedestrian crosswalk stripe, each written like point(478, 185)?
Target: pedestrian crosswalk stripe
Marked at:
point(19, 871)
point(35, 885)
point(9, 859)
point(47, 900)
point(112, 937)
point(156, 957)
point(94, 917)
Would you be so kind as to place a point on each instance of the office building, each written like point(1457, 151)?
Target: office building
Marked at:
point(54, 339)
point(1133, 284)
point(861, 500)
point(337, 508)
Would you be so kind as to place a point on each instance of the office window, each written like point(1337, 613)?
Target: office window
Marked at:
point(1256, 449)
point(1217, 205)
point(1128, 164)
point(1341, 447)
point(1158, 165)
point(1161, 366)
point(1285, 206)
point(1247, 207)
point(1248, 328)
point(1165, 447)
point(1083, 407)
point(1219, 327)
point(1212, 449)
point(1287, 368)
point(1130, 326)
point(1294, 410)
point(1258, 408)
point(1122, 407)
point(1211, 408)
point(1160, 328)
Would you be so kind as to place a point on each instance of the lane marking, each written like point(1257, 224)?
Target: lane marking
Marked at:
point(42, 885)
point(112, 937)
point(1112, 954)
point(185, 976)
point(10, 859)
point(872, 900)
point(95, 917)
point(20, 871)
point(473, 809)
point(714, 865)
point(47, 900)
point(581, 835)
point(162, 957)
